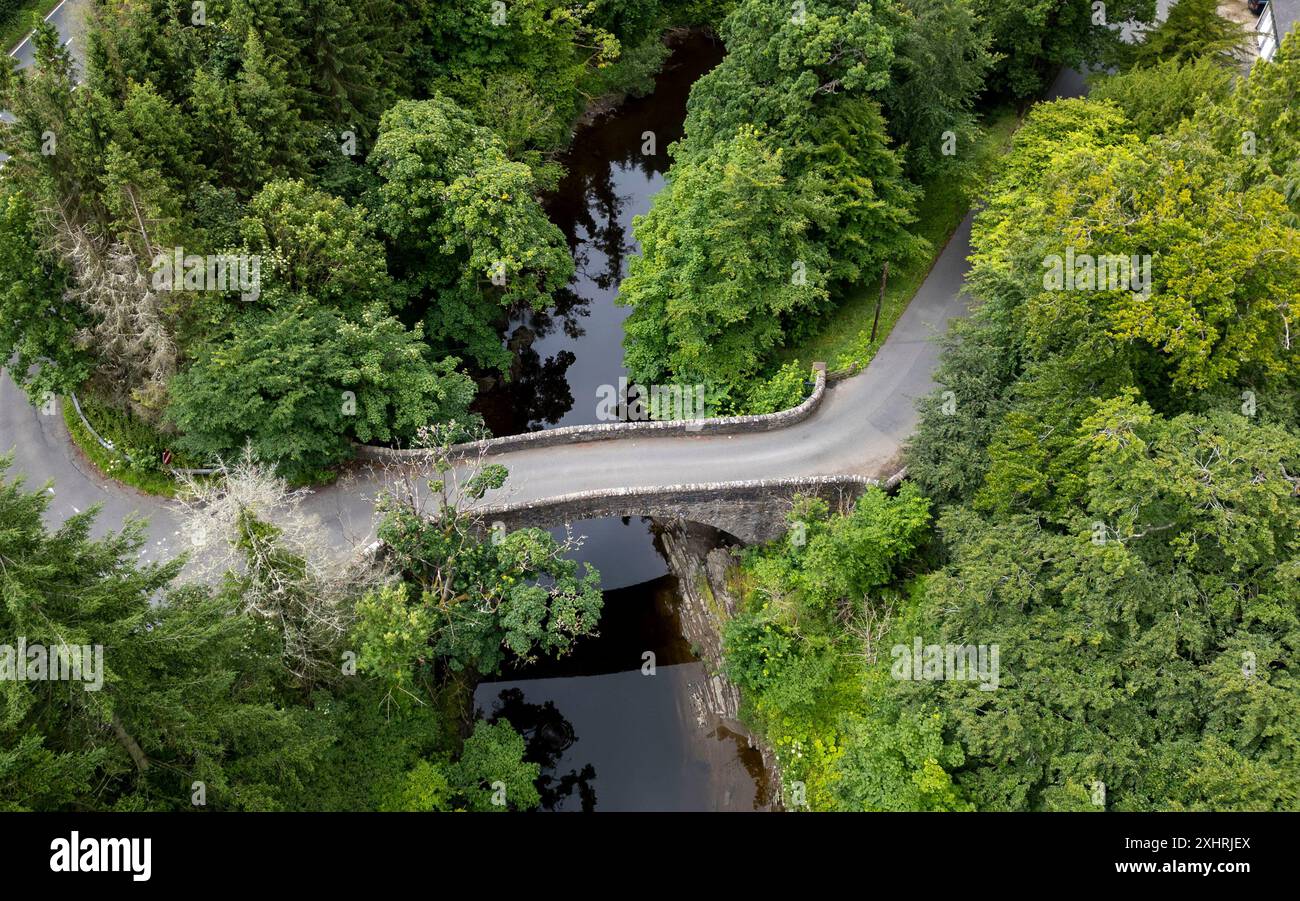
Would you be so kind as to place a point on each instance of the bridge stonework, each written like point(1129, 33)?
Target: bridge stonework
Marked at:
point(583, 434)
point(753, 512)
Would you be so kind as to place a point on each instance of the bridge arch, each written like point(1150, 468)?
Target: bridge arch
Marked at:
point(752, 511)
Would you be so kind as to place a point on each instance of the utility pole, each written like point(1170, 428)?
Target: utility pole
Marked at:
point(875, 323)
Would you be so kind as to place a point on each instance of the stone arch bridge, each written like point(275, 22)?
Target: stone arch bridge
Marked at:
point(753, 512)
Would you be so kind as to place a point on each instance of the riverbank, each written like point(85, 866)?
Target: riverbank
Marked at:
point(704, 563)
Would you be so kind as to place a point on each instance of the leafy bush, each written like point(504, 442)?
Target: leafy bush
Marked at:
point(785, 389)
point(792, 648)
point(1157, 98)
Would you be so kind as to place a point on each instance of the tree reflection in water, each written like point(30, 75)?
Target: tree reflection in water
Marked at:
point(608, 179)
point(548, 735)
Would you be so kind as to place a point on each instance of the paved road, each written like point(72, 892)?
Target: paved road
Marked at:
point(66, 19)
point(861, 427)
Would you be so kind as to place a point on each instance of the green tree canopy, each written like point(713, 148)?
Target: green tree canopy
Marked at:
point(465, 223)
point(1035, 38)
point(188, 688)
point(1192, 30)
point(470, 597)
point(723, 250)
point(298, 382)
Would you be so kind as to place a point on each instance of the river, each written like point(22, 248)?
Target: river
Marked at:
point(611, 732)
point(565, 354)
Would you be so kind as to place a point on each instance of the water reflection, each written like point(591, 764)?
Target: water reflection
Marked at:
point(622, 548)
point(565, 353)
point(625, 741)
point(609, 731)
point(548, 735)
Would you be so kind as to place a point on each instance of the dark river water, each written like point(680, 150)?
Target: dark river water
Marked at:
point(609, 735)
point(565, 354)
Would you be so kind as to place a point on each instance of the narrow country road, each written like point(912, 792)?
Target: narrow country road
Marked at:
point(861, 427)
point(66, 18)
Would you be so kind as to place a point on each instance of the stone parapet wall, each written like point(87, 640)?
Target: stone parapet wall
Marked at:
point(605, 431)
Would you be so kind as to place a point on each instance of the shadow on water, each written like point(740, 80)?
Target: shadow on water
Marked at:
point(564, 354)
point(609, 731)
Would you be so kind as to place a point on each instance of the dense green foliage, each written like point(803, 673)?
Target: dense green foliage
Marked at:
point(16, 17)
point(941, 61)
point(1103, 494)
point(191, 691)
point(467, 601)
point(383, 161)
point(796, 651)
point(515, 595)
point(1155, 98)
point(464, 222)
point(1194, 30)
point(297, 383)
point(1116, 473)
point(713, 313)
point(1033, 39)
point(44, 354)
point(785, 144)
point(234, 698)
point(794, 184)
point(380, 161)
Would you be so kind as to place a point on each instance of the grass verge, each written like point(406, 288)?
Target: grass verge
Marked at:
point(844, 338)
point(138, 459)
point(139, 447)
